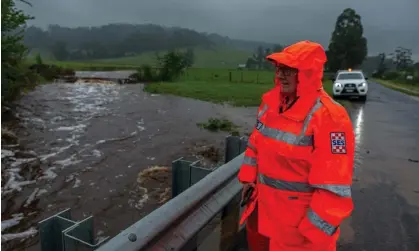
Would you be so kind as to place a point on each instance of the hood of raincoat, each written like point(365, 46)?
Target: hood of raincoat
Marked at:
point(309, 58)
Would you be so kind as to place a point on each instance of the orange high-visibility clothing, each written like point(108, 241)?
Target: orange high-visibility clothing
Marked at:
point(301, 160)
point(255, 241)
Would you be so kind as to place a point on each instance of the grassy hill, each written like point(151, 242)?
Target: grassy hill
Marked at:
point(112, 43)
point(216, 57)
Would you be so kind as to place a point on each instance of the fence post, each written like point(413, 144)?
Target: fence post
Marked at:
point(229, 76)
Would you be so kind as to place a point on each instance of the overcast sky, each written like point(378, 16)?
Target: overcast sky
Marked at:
point(387, 23)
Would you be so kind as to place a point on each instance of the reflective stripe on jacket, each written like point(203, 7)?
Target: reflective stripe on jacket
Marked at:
point(301, 160)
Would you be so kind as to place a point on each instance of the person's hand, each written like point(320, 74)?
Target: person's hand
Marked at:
point(246, 187)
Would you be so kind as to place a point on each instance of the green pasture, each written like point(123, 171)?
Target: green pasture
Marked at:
point(235, 87)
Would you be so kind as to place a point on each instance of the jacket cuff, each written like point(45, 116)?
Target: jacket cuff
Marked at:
point(316, 235)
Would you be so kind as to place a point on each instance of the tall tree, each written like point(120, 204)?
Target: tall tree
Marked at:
point(348, 46)
point(266, 63)
point(13, 22)
point(277, 48)
point(402, 58)
point(259, 57)
point(189, 57)
point(59, 50)
point(381, 67)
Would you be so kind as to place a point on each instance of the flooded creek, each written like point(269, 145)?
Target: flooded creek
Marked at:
point(91, 147)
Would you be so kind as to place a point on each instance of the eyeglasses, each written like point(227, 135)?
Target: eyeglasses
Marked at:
point(286, 71)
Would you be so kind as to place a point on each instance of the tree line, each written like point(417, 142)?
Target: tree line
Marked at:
point(258, 59)
point(109, 41)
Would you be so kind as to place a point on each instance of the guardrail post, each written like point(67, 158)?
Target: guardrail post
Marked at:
point(180, 176)
point(231, 213)
point(234, 147)
point(185, 174)
point(61, 233)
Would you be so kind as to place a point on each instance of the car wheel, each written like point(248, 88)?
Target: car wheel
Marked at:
point(335, 97)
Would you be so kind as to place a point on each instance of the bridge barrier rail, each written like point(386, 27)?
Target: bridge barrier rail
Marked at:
point(203, 213)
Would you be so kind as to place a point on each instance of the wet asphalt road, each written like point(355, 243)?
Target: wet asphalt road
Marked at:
point(386, 187)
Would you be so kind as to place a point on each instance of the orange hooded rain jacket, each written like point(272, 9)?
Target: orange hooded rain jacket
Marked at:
point(301, 160)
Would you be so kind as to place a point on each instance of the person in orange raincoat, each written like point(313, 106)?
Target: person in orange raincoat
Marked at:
point(299, 159)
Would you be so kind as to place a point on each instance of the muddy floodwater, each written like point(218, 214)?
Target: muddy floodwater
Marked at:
point(90, 147)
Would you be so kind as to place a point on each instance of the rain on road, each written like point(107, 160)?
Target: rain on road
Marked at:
point(94, 139)
point(386, 186)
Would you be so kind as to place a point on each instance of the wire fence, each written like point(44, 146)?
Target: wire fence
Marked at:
point(227, 75)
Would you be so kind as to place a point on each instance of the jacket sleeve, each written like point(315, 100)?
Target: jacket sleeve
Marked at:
point(331, 176)
point(248, 169)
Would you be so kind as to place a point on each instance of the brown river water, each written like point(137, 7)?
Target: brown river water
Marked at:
point(91, 146)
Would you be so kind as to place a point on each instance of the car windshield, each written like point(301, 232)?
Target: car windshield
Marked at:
point(352, 75)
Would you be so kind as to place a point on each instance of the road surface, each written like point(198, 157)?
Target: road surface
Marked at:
point(386, 189)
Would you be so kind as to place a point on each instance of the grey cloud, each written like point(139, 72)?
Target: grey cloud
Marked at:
point(387, 23)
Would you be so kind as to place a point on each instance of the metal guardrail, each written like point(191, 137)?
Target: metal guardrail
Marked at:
point(199, 196)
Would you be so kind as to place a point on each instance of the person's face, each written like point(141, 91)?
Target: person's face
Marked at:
point(288, 78)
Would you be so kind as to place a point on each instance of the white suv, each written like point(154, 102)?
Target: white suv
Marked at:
point(350, 84)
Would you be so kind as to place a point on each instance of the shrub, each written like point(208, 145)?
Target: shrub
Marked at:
point(391, 75)
point(215, 125)
point(171, 66)
point(50, 72)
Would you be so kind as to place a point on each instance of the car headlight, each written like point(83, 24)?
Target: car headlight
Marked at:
point(338, 85)
point(362, 85)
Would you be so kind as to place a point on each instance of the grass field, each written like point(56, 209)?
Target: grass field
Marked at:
point(238, 88)
point(410, 89)
point(217, 57)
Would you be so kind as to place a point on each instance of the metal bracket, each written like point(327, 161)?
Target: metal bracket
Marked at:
point(60, 233)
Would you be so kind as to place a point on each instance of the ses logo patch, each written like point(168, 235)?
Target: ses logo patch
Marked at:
point(338, 142)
